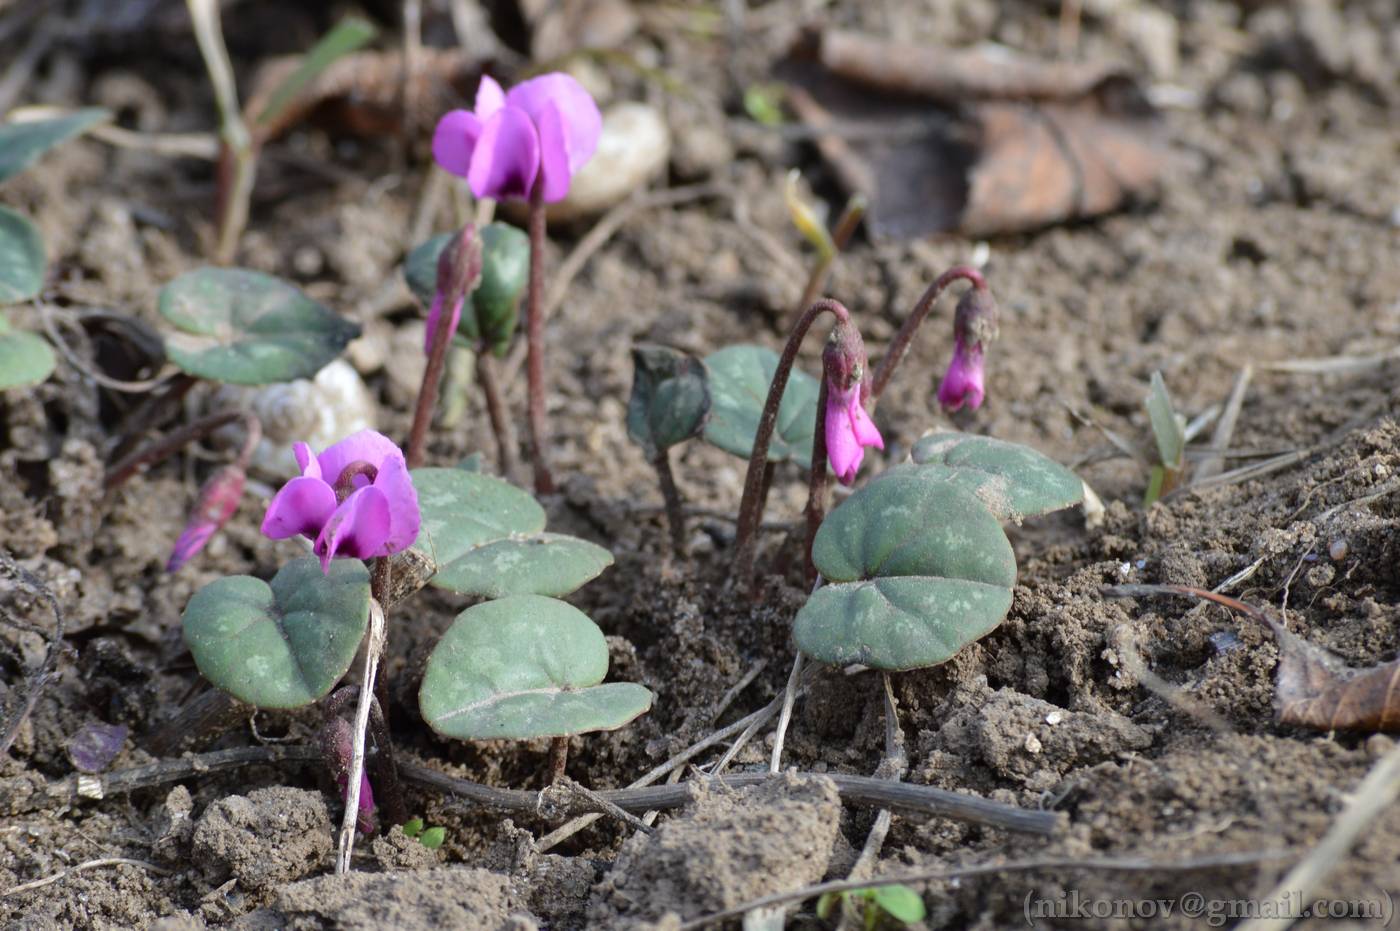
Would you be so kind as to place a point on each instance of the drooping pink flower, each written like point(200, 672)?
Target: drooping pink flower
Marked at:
point(217, 501)
point(849, 430)
point(963, 382)
point(539, 133)
point(355, 499)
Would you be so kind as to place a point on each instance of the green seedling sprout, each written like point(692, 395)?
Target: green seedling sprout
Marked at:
point(244, 134)
point(877, 906)
point(432, 837)
point(1169, 430)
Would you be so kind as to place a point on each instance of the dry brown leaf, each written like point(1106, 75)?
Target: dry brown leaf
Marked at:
point(983, 143)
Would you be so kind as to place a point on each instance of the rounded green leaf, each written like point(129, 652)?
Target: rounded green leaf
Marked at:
point(21, 143)
point(21, 258)
point(505, 270)
point(544, 564)
point(1012, 480)
point(739, 380)
point(921, 569)
point(241, 326)
point(281, 645)
point(464, 510)
point(25, 359)
point(524, 667)
point(670, 398)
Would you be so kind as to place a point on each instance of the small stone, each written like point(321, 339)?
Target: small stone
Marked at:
point(634, 147)
point(1338, 549)
point(1032, 744)
point(1054, 718)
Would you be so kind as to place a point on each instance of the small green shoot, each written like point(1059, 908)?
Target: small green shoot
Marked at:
point(432, 837)
point(899, 904)
point(1169, 429)
point(764, 103)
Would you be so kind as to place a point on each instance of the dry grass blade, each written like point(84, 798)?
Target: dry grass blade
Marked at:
point(1225, 429)
point(1333, 365)
point(89, 865)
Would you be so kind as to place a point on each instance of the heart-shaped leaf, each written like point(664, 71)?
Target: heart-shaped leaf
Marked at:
point(670, 398)
point(920, 569)
point(1012, 480)
point(22, 143)
point(25, 359)
point(543, 564)
point(505, 270)
point(21, 258)
point(739, 380)
point(464, 510)
point(247, 328)
point(524, 667)
point(282, 645)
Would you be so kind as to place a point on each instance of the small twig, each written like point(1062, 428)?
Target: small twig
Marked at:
point(78, 868)
point(87, 370)
point(854, 790)
point(162, 449)
point(922, 877)
point(733, 691)
point(36, 680)
point(600, 804)
point(785, 716)
point(1377, 792)
point(349, 824)
point(1225, 429)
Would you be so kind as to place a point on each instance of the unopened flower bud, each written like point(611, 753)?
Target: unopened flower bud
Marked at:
point(458, 273)
point(974, 328)
point(337, 749)
point(848, 428)
point(217, 501)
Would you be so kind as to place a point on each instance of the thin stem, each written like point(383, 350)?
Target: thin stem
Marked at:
point(900, 344)
point(351, 822)
point(558, 758)
point(496, 411)
point(238, 164)
point(816, 484)
point(785, 716)
point(750, 509)
point(675, 510)
point(534, 336)
point(428, 390)
point(174, 441)
point(386, 771)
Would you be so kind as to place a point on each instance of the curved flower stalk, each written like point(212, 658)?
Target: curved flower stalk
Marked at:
point(842, 427)
point(527, 142)
point(355, 499)
point(458, 274)
point(974, 326)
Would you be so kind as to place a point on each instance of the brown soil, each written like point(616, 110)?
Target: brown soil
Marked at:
point(1273, 238)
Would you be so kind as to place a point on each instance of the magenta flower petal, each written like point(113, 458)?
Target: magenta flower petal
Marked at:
point(358, 528)
point(433, 316)
point(366, 446)
point(507, 156)
point(963, 383)
point(866, 433)
point(582, 122)
point(455, 140)
point(306, 460)
point(554, 155)
point(489, 97)
point(842, 449)
point(405, 520)
point(303, 505)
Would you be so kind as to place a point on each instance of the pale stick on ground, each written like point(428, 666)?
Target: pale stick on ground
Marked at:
point(349, 824)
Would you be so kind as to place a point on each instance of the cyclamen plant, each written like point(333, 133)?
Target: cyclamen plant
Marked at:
point(527, 143)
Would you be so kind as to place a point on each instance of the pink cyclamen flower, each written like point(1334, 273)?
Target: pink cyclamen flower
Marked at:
point(849, 430)
point(963, 383)
point(217, 501)
point(355, 499)
point(538, 135)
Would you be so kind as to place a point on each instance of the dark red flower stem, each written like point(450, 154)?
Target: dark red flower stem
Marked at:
point(382, 770)
point(496, 411)
point(816, 483)
point(428, 390)
point(558, 758)
point(174, 441)
point(750, 506)
point(675, 511)
point(534, 344)
point(900, 344)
